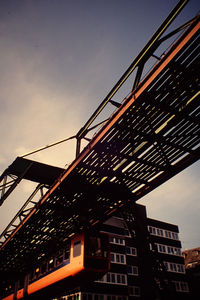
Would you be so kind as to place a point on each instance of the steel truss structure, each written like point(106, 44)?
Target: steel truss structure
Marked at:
point(153, 135)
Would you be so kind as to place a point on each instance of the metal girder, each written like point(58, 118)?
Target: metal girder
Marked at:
point(23, 168)
point(139, 62)
point(111, 169)
point(10, 181)
point(29, 205)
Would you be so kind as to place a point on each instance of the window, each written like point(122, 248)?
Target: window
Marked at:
point(180, 268)
point(171, 235)
point(43, 268)
point(73, 297)
point(117, 258)
point(177, 251)
point(123, 279)
point(132, 270)
point(153, 230)
point(168, 249)
point(37, 272)
point(159, 232)
point(120, 278)
point(114, 278)
point(50, 264)
point(173, 250)
point(90, 296)
point(131, 251)
point(77, 248)
point(116, 240)
point(168, 234)
point(173, 267)
point(163, 233)
point(59, 258)
point(134, 291)
point(161, 248)
point(181, 286)
point(174, 235)
point(66, 254)
point(95, 246)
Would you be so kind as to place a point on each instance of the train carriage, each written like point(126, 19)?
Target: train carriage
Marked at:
point(83, 258)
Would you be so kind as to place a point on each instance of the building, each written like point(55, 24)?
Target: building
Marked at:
point(131, 272)
point(192, 267)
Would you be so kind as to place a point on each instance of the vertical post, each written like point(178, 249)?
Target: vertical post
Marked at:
point(3, 186)
point(138, 75)
point(78, 146)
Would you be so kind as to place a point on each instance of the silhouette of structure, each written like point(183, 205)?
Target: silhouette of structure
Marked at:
point(153, 135)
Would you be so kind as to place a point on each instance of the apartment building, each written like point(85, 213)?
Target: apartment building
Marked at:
point(131, 273)
point(192, 267)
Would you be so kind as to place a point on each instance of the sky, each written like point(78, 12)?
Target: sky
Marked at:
point(59, 59)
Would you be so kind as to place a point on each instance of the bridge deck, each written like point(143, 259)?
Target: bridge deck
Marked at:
point(153, 135)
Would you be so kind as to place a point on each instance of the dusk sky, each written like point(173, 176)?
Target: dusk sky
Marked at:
point(59, 59)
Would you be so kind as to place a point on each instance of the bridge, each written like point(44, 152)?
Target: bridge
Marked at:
point(153, 135)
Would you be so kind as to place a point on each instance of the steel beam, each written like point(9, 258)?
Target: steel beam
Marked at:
point(141, 58)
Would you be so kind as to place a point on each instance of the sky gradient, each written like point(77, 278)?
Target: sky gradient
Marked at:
point(59, 59)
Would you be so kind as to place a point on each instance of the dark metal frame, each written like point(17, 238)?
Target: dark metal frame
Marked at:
point(139, 63)
point(30, 203)
point(154, 183)
point(59, 199)
point(9, 182)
